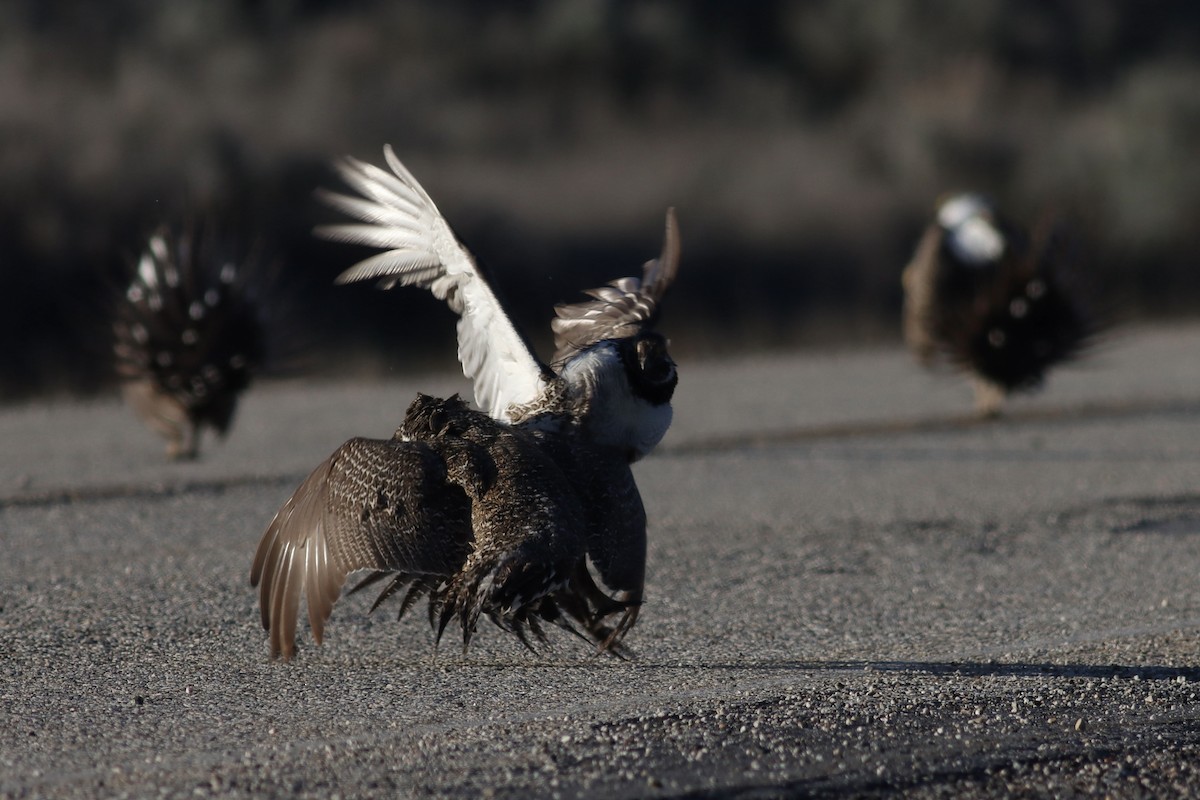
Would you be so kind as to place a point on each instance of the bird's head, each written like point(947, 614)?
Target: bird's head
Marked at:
point(625, 387)
point(649, 366)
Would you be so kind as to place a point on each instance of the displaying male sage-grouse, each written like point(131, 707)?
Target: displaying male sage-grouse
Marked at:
point(187, 338)
point(501, 512)
point(992, 299)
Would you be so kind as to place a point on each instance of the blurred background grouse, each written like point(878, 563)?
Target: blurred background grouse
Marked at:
point(187, 337)
point(505, 511)
point(993, 299)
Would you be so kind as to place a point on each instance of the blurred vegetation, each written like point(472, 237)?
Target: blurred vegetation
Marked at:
point(804, 144)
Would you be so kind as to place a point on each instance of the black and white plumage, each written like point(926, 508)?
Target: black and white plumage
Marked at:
point(503, 512)
point(187, 338)
point(993, 299)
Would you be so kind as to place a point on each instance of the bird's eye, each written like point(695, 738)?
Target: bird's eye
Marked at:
point(656, 365)
point(648, 353)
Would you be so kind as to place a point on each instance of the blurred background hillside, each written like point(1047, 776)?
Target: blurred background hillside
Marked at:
point(804, 144)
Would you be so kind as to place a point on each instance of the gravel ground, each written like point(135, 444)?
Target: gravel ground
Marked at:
point(854, 590)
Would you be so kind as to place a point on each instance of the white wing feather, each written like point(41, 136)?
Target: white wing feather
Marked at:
point(421, 250)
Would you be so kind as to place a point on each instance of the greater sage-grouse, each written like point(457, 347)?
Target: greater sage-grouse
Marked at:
point(187, 337)
point(502, 512)
point(993, 299)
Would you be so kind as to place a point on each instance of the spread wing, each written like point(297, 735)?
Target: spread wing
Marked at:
point(621, 308)
point(419, 249)
point(377, 505)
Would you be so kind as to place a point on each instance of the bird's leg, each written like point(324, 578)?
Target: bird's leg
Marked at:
point(989, 397)
point(181, 446)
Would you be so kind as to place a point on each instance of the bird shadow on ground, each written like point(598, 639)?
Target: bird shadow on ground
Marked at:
point(969, 669)
point(1026, 669)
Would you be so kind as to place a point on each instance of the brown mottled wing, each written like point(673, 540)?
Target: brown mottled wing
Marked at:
point(378, 505)
point(621, 308)
point(919, 281)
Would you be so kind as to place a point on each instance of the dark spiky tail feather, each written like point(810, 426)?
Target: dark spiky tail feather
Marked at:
point(1036, 313)
point(578, 607)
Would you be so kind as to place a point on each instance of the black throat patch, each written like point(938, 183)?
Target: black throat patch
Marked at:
point(651, 372)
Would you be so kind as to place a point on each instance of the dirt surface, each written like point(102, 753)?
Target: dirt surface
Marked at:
point(854, 589)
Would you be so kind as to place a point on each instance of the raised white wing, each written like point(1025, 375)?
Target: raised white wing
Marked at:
point(421, 250)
